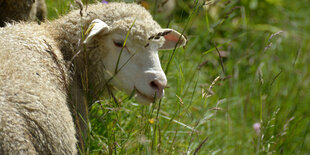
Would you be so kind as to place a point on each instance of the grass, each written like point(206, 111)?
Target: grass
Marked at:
point(265, 79)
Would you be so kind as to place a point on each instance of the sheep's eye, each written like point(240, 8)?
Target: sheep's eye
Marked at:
point(118, 43)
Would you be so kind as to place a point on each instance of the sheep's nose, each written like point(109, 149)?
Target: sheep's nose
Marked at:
point(158, 86)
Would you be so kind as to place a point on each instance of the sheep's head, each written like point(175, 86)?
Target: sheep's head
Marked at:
point(131, 63)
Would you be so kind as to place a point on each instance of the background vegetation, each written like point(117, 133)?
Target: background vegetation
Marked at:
point(259, 49)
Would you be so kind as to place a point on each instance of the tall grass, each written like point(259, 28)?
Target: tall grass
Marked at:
point(264, 79)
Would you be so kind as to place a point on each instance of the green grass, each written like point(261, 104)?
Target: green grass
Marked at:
point(263, 80)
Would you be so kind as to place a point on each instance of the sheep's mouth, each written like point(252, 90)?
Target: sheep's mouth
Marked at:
point(140, 94)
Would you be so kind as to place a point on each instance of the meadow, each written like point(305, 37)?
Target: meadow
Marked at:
point(240, 86)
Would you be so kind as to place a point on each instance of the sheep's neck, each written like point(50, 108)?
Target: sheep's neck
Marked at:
point(68, 33)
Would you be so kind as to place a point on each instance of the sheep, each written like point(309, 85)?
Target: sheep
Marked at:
point(49, 72)
point(16, 10)
point(41, 10)
point(166, 7)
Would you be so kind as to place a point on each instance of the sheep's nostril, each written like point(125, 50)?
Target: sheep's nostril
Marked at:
point(154, 85)
point(158, 86)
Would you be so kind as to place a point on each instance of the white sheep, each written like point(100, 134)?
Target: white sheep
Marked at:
point(26, 10)
point(41, 10)
point(166, 7)
point(40, 89)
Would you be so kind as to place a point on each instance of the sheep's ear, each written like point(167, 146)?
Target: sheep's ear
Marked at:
point(172, 38)
point(96, 26)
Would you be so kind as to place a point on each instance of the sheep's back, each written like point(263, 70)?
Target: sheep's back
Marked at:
point(29, 60)
point(32, 77)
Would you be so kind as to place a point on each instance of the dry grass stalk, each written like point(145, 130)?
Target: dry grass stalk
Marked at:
point(209, 91)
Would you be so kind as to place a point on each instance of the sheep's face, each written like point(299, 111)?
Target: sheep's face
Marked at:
point(138, 70)
point(135, 67)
